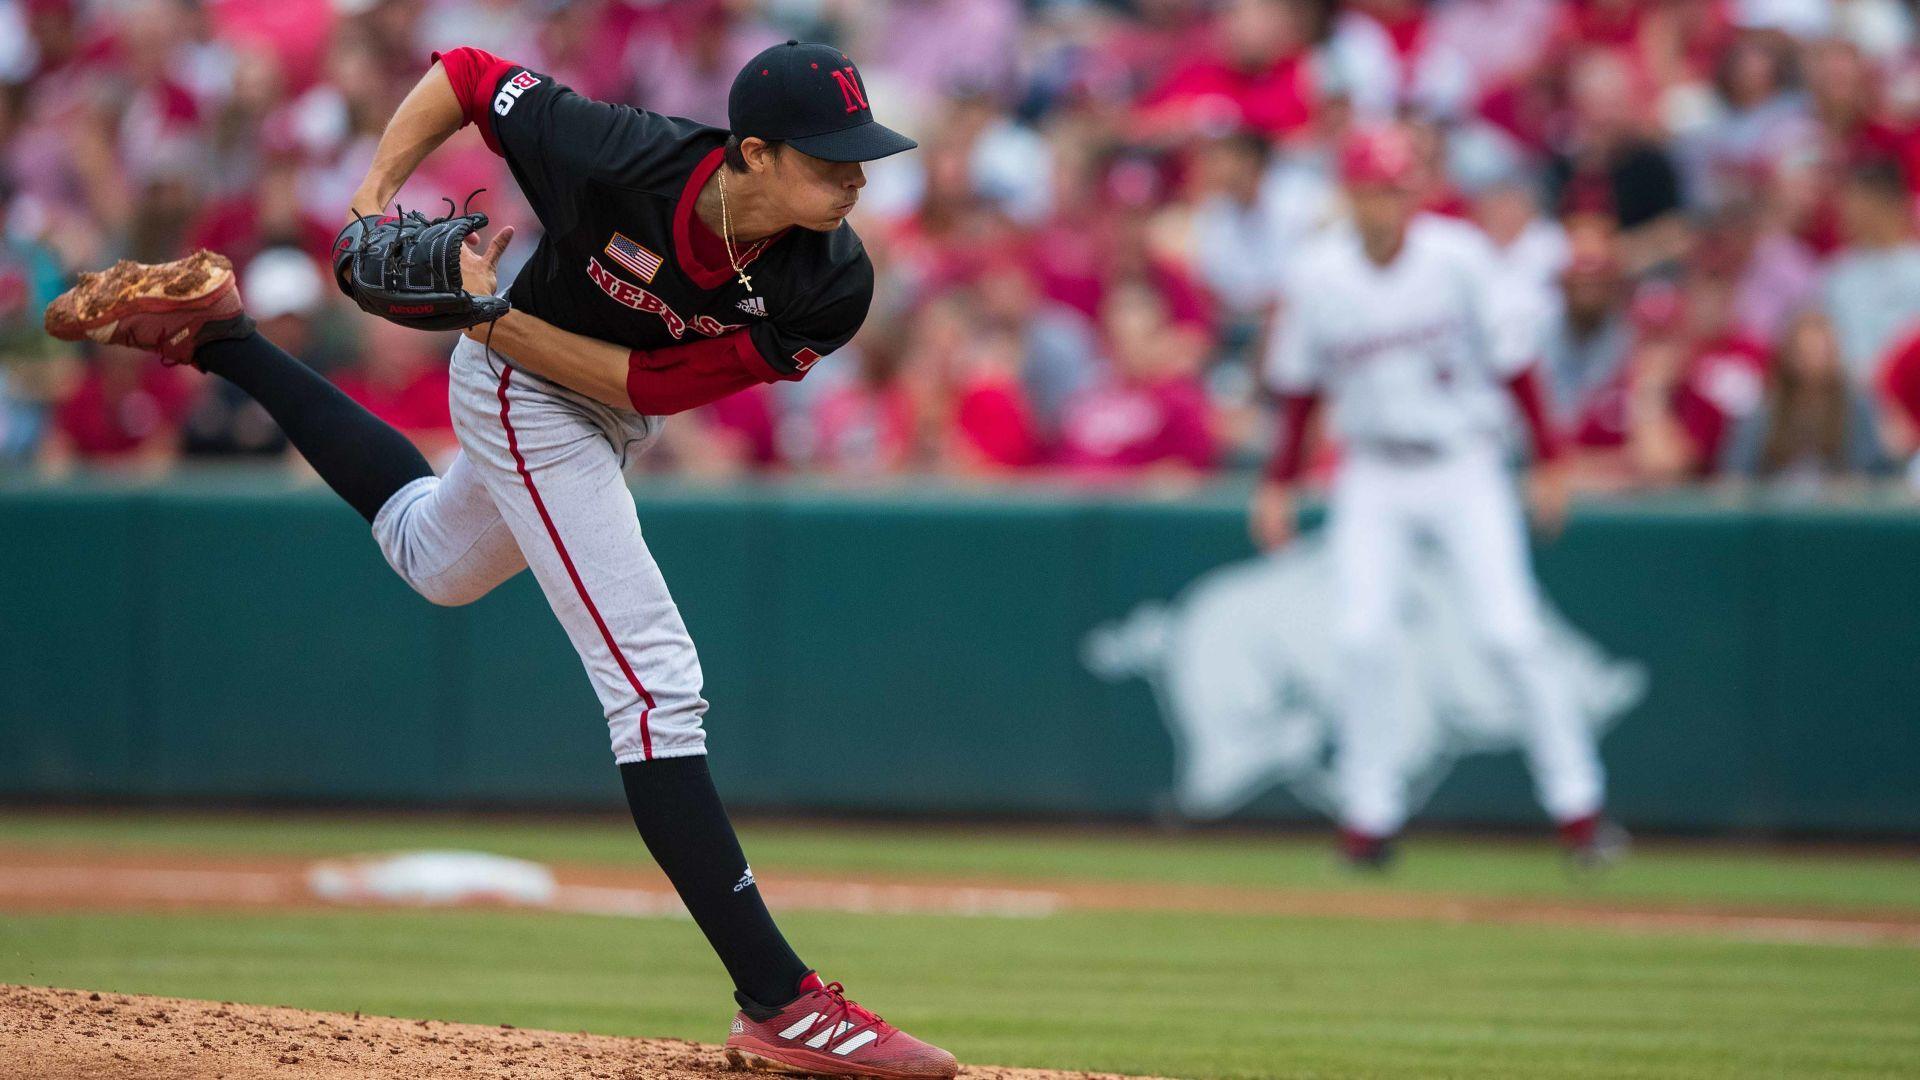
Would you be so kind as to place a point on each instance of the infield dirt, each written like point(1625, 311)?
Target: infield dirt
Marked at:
point(50, 1034)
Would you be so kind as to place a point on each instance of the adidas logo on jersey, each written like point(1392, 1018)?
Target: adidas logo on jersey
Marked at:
point(746, 881)
point(754, 305)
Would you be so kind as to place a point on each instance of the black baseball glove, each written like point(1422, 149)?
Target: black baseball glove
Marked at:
point(405, 268)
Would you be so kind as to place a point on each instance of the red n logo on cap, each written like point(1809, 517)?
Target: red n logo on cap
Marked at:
point(850, 89)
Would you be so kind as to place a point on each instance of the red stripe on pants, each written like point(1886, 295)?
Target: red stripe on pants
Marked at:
point(520, 463)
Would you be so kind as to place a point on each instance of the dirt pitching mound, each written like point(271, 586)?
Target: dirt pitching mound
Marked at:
point(48, 1034)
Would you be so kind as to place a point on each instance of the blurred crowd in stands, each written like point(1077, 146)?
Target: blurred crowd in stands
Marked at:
point(1712, 201)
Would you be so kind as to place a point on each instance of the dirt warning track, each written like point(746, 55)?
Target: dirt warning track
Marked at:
point(49, 1034)
point(43, 879)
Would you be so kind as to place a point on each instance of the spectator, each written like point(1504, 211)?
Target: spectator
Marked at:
point(1236, 245)
point(1841, 100)
point(686, 66)
point(993, 428)
point(1849, 129)
point(270, 213)
point(1010, 164)
point(869, 424)
point(1872, 289)
point(589, 45)
point(1899, 408)
point(1057, 351)
point(1811, 429)
point(1253, 74)
point(1391, 59)
point(125, 411)
point(1606, 164)
point(1774, 274)
point(744, 429)
point(1079, 257)
point(400, 376)
point(728, 439)
point(1499, 41)
point(1588, 342)
point(932, 48)
point(1690, 384)
point(1298, 190)
point(1755, 121)
point(284, 291)
point(27, 395)
point(1637, 166)
point(1150, 416)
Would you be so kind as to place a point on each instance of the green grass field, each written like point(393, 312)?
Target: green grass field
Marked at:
point(1148, 992)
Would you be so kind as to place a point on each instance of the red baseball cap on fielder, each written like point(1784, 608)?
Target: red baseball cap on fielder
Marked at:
point(810, 96)
point(1381, 156)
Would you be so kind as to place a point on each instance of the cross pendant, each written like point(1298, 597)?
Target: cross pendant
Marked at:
point(746, 281)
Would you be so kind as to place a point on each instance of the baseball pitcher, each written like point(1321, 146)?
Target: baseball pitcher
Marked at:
point(680, 264)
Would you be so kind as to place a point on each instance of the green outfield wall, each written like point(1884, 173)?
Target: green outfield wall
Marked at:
point(907, 650)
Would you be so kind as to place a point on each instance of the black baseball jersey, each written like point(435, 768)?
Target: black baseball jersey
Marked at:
point(615, 188)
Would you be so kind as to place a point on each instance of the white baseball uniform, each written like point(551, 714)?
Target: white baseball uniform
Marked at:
point(1413, 357)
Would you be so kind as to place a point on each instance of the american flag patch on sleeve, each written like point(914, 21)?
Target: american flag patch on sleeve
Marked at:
point(642, 262)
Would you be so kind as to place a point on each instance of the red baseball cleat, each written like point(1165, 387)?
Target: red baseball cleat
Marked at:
point(1365, 853)
point(1593, 842)
point(170, 308)
point(824, 1034)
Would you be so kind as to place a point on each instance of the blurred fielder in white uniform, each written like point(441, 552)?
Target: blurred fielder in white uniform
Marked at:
point(1396, 318)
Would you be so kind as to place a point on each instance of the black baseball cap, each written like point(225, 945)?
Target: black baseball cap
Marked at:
point(810, 96)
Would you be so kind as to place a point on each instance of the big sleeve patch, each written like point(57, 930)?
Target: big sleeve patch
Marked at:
point(558, 143)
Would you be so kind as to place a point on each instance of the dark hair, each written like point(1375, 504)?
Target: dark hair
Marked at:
point(1250, 143)
point(1319, 17)
point(1804, 414)
point(736, 160)
point(1777, 48)
point(1881, 176)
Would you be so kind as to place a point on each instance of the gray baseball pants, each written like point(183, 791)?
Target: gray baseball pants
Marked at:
point(539, 483)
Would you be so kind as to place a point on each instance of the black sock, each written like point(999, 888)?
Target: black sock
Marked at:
point(679, 815)
point(359, 456)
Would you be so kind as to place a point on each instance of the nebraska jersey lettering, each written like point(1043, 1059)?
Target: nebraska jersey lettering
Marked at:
point(614, 188)
point(1412, 352)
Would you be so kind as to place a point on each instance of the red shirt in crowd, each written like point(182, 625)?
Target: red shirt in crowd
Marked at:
point(233, 228)
point(1131, 426)
point(994, 426)
point(862, 427)
point(296, 32)
point(417, 406)
point(746, 419)
point(1074, 273)
point(1209, 91)
point(114, 412)
point(1900, 378)
point(1724, 380)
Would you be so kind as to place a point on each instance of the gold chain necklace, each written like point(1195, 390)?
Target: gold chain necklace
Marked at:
point(726, 235)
